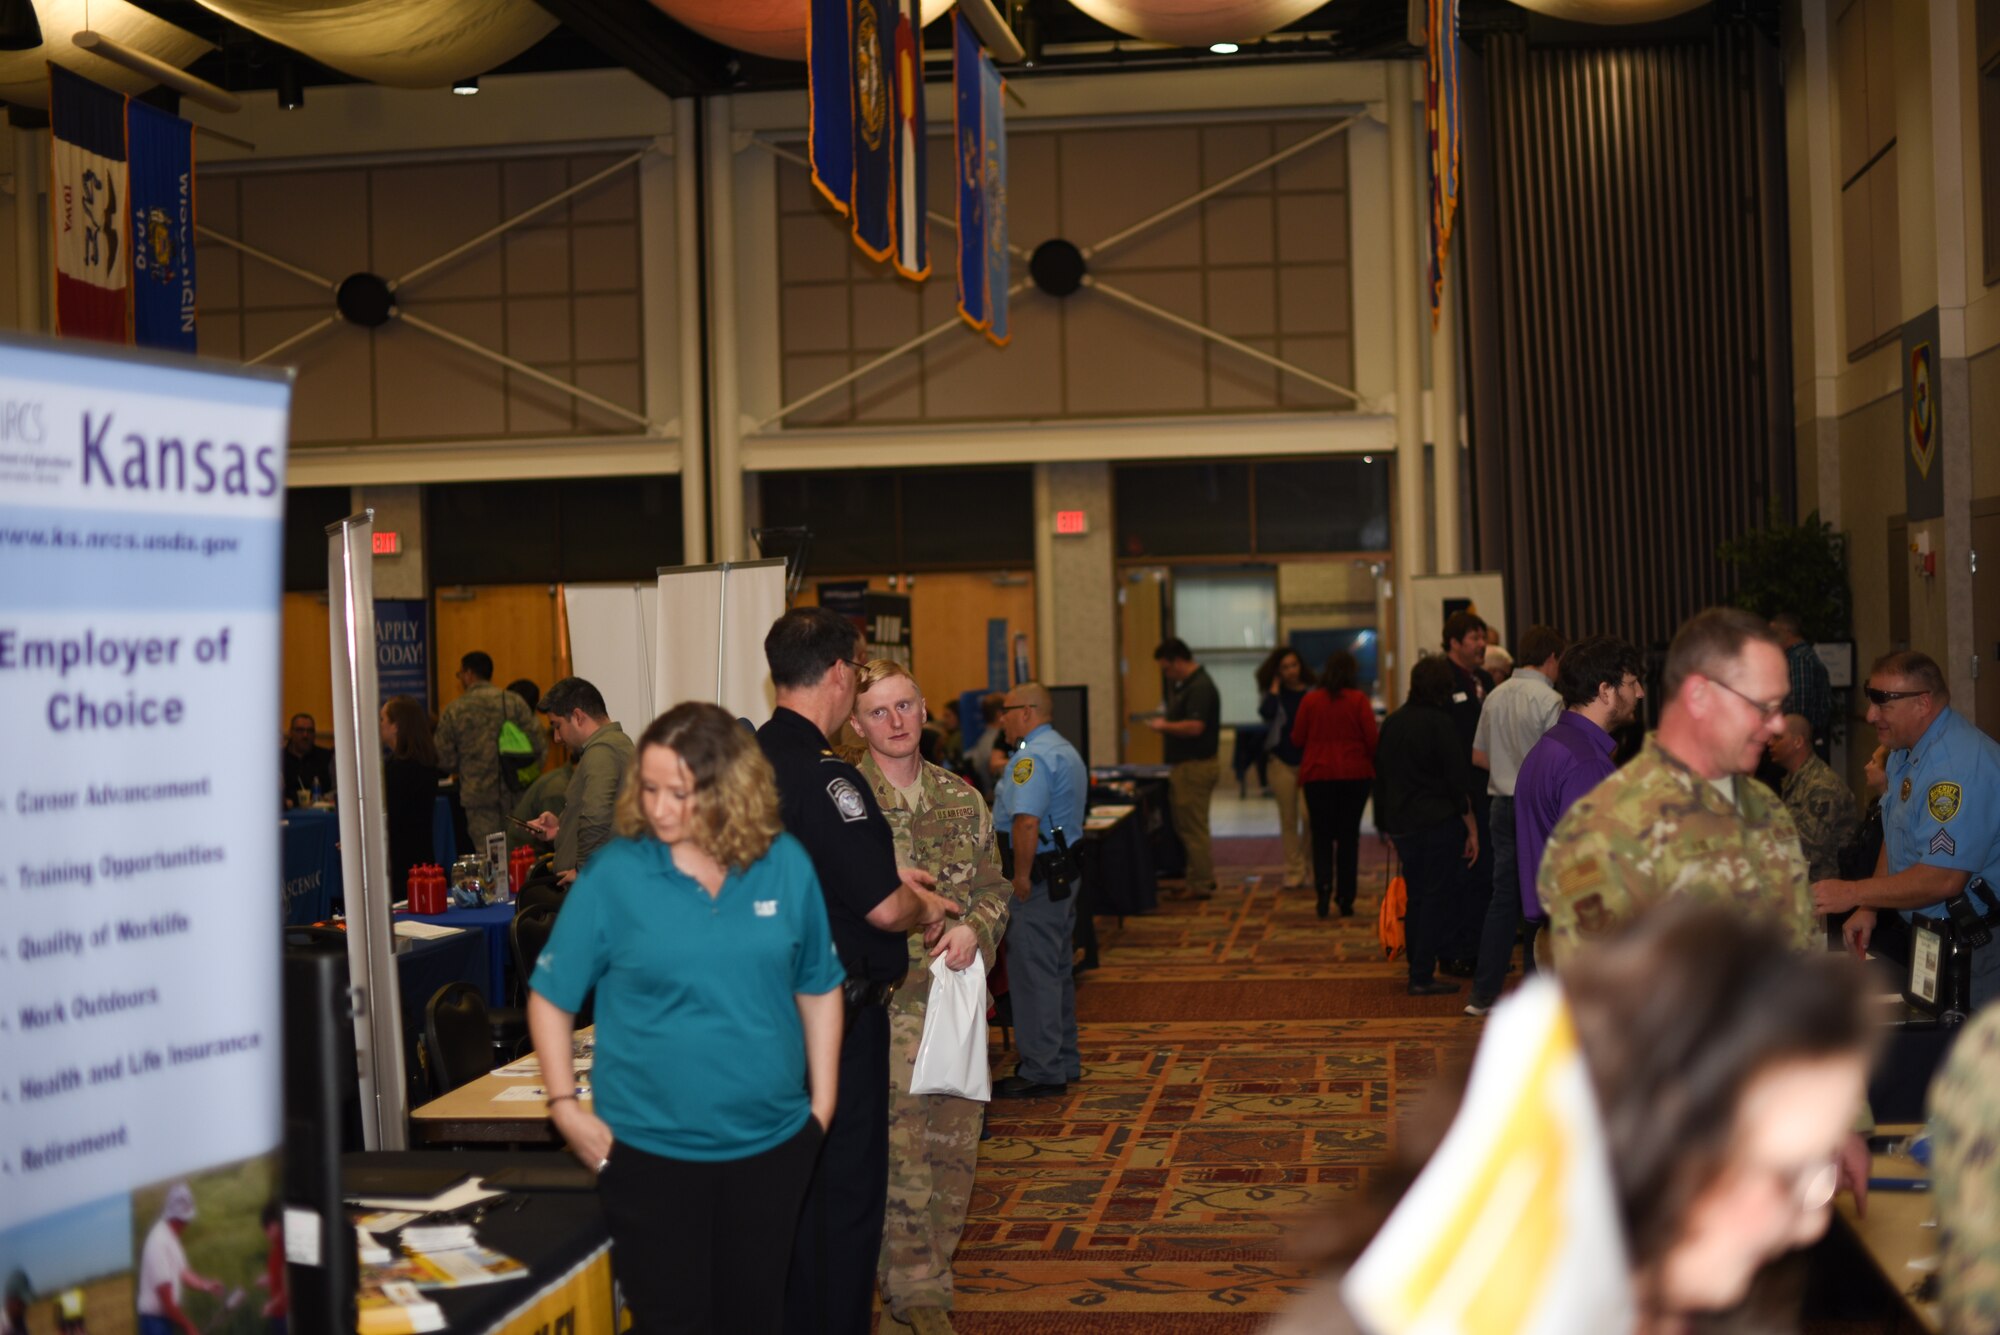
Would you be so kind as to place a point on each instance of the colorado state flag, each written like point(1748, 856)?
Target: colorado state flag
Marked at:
point(92, 230)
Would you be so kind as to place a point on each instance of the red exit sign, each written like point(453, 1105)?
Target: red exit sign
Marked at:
point(1071, 523)
point(388, 544)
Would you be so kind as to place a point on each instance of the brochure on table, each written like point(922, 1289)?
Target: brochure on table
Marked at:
point(141, 531)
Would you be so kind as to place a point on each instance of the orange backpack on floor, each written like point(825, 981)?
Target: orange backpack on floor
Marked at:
point(1389, 923)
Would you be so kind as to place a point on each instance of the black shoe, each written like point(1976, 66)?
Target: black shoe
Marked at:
point(1320, 900)
point(1458, 968)
point(1085, 965)
point(1020, 1087)
point(1347, 908)
point(1435, 987)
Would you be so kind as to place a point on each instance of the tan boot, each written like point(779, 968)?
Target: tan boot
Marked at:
point(930, 1321)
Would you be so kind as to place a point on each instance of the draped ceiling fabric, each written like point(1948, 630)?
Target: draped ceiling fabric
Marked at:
point(1196, 22)
point(774, 28)
point(24, 75)
point(398, 43)
point(1611, 11)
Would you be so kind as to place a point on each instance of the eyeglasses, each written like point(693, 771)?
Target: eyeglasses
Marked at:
point(1766, 711)
point(1884, 697)
point(1008, 709)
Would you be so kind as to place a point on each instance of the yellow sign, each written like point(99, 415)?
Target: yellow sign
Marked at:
point(578, 1304)
point(1024, 769)
point(1943, 800)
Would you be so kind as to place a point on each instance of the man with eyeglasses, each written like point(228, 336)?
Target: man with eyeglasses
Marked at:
point(1940, 816)
point(1685, 819)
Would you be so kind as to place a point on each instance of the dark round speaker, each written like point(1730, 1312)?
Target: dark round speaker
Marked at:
point(1057, 267)
point(365, 300)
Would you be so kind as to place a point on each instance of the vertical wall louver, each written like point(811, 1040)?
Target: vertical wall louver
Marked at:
point(1627, 322)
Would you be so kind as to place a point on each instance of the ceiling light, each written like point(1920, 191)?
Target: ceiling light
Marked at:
point(465, 87)
point(291, 87)
point(1223, 48)
point(20, 30)
point(159, 71)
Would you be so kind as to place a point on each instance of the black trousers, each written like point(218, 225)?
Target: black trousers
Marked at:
point(1333, 809)
point(831, 1288)
point(1433, 861)
point(691, 1242)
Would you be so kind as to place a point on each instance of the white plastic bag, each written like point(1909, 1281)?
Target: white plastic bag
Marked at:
point(951, 1057)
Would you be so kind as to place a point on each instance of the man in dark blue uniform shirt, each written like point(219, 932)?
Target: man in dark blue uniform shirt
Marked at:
point(871, 907)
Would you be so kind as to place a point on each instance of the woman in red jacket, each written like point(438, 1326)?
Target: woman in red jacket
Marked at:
point(1335, 731)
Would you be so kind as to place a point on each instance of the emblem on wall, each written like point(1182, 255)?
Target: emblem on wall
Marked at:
point(1923, 409)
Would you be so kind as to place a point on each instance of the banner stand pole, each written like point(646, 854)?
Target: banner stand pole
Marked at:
point(364, 851)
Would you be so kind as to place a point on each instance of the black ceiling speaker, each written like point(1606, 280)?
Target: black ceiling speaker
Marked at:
point(1057, 267)
point(20, 30)
point(364, 299)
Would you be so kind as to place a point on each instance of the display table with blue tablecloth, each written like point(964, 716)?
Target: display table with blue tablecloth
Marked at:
point(493, 920)
point(311, 886)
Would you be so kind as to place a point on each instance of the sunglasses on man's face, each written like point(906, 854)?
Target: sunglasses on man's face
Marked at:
point(1884, 697)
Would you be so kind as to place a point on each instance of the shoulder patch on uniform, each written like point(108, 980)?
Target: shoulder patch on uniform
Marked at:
point(1024, 769)
point(1942, 842)
point(1578, 874)
point(1943, 800)
point(847, 800)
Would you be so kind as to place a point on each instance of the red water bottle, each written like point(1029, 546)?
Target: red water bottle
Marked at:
point(519, 863)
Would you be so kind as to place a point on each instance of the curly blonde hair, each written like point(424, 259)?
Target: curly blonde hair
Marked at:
point(735, 792)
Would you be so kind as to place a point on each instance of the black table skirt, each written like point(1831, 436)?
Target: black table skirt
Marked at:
point(551, 1234)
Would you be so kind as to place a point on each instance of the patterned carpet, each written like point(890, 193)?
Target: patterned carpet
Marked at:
point(1244, 1067)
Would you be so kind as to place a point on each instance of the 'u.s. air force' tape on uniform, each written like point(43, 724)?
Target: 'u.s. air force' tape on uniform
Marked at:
point(1024, 769)
point(1942, 842)
point(847, 800)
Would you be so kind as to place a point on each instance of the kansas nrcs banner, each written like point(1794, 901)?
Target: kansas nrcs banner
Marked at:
point(92, 230)
point(980, 131)
point(161, 148)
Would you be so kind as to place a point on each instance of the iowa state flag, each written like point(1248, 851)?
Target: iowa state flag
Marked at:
point(88, 204)
point(980, 160)
point(162, 227)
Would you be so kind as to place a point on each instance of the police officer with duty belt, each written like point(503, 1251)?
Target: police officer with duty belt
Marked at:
point(1039, 799)
point(870, 905)
point(1940, 820)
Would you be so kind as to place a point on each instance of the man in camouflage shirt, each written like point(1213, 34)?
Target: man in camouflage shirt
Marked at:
point(943, 827)
point(468, 744)
point(1965, 1177)
point(1821, 805)
point(1685, 819)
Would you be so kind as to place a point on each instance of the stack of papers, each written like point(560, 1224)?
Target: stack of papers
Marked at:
point(425, 931)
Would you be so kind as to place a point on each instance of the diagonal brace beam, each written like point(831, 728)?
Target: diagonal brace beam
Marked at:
point(1182, 322)
point(522, 368)
point(1227, 182)
point(316, 279)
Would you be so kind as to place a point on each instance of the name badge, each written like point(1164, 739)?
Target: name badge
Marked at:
point(765, 908)
point(1459, 697)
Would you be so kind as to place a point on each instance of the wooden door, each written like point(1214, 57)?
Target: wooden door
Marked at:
point(949, 611)
point(1142, 593)
point(517, 624)
point(307, 672)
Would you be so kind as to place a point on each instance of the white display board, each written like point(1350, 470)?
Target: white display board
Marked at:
point(614, 638)
point(1430, 595)
point(141, 536)
point(712, 624)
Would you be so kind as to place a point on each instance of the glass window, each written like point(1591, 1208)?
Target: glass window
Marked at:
point(1183, 509)
point(493, 533)
point(308, 510)
point(1323, 505)
point(1230, 619)
point(958, 516)
point(852, 516)
point(619, 528)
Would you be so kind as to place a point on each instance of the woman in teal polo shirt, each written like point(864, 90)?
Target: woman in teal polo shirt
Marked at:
point(719, 1020)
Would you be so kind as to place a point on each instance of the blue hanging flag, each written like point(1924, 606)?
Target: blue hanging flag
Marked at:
point(980, 161)
point(829, 73)
point(999, 272)
point(913, 254)
point(873, 199)
point(160, 148)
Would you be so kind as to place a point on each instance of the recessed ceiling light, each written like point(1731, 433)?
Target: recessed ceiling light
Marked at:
point(1223, 48)
point(465, 87)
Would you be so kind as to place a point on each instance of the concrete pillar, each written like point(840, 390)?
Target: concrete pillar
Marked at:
point(725, 391)
point(693, 395)
point(1411, 311)
point(1076, 596)
point(398, 510)
point(1444, 427)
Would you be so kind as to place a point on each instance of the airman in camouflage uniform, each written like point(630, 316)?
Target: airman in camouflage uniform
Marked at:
point(1965, 1176)
point(468, 745)
point(941, 826)
point(1657, 830)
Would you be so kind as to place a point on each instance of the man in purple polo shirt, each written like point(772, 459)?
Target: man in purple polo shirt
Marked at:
point(1600, 682)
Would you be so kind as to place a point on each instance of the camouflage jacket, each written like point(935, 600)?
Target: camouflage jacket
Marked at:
point(468, 741)
point(1656, 830)
point(949, 835)
point(1965, 1178)
point(1823, 809)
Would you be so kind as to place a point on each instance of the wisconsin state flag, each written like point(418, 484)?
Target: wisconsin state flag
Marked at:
point(162, 230)
point(88, 200)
